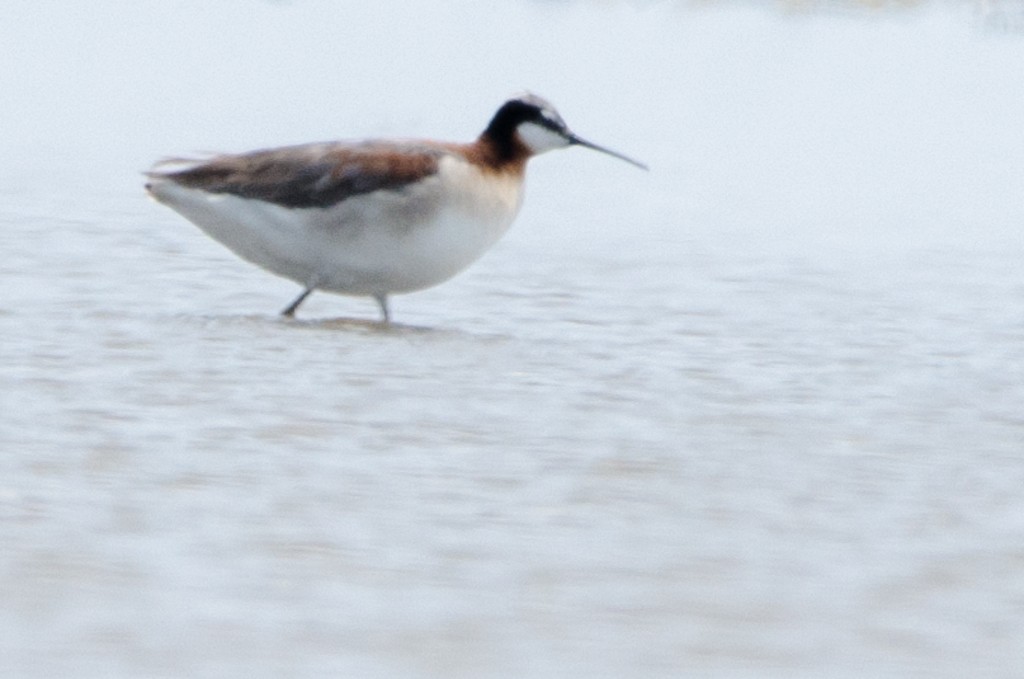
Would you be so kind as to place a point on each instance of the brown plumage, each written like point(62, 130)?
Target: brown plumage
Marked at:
point(312, 175)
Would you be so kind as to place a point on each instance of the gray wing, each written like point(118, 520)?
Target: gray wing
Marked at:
point(311, 175)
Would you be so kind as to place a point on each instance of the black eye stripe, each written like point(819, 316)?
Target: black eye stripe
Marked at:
point(515, 112)
point(550, 120)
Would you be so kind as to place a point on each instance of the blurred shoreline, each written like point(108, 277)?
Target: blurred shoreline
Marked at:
point(993, 16)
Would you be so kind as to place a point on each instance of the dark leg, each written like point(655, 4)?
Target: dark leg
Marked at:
point(382, 301)
point(290, 311)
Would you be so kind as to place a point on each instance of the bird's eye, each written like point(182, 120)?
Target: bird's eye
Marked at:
point(551, 120)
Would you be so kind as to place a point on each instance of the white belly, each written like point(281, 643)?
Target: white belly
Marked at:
point(371, 244)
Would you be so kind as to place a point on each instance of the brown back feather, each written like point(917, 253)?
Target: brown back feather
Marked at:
point(313, 175)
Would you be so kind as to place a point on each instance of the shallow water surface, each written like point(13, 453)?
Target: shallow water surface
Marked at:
point(711, 421)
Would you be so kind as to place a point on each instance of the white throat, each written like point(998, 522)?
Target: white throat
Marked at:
point(539, 139)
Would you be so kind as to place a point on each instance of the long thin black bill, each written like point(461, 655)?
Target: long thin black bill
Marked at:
point(573, 139)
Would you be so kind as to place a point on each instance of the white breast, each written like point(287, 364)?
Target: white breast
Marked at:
point(375, 243)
